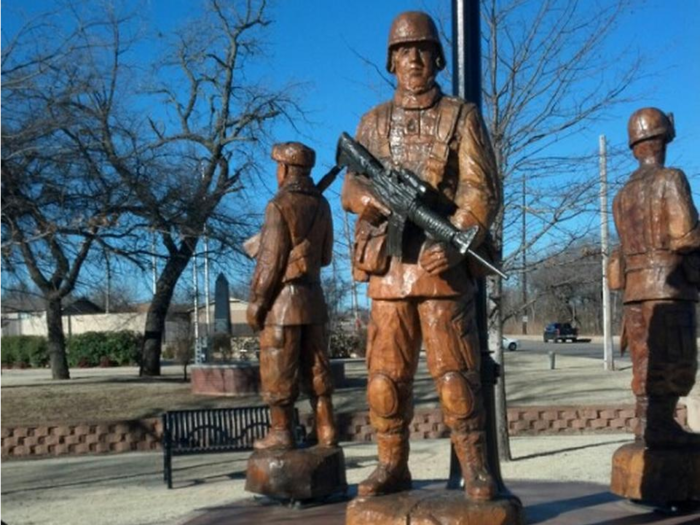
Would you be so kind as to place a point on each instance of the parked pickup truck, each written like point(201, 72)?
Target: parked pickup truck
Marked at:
point(560, 332)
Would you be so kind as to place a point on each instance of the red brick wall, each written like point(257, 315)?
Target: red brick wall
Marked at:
point(127, 436)
point(58, 440)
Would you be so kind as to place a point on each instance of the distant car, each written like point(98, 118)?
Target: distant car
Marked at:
point(510, 344)
point(560, 332)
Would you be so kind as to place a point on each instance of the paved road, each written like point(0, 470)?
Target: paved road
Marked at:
point(584, 348)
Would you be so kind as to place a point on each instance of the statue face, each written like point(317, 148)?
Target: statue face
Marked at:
point(414, 64)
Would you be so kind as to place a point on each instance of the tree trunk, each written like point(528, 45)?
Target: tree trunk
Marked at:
point(56, 340)
point(158, 310)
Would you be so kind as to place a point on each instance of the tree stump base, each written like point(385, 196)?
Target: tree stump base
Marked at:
point(299, 474)
point(656, 477)
point(431, 507)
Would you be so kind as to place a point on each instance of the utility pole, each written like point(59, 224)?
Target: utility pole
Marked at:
point(608, 359)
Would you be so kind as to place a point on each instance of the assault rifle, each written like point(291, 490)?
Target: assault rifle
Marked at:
point(409, 198)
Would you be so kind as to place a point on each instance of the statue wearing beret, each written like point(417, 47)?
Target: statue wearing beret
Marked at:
point(287, 304)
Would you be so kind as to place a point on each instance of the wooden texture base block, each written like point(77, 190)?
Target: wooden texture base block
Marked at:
point(444, 507)
point(656, 476)
point(300, 474)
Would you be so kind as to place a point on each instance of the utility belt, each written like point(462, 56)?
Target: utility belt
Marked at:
point(651, 259)
point(665, 259)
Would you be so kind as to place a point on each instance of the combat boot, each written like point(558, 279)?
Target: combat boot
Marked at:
point(392, 474)
point(662, 429)
point(326, 432)
point(470, 448)
point(280, 435)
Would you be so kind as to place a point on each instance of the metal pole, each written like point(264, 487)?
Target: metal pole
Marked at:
point(466, 84)
point(108, 283)
point(524, 243)
point(466, 51)
point(206, 283)
point(195, 285)
point(154, 265)
point(353, 284)
point(608, 359)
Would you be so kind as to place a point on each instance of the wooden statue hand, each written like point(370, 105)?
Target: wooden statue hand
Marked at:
point(436, 257)
point(255, 315)
point(374, 210)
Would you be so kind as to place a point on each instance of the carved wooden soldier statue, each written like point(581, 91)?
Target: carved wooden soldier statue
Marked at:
point(286, 299)
point(427, 294)
point(657, 267)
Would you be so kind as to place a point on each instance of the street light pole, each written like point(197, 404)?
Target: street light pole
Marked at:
point(466, 84)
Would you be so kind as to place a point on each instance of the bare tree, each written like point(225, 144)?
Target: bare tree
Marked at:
point(182, 139)
point(546, 80)
point(57, 202)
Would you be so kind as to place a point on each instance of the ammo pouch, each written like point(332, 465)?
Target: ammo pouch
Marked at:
point(369, 251)
point(298, 261)
point(616, 270)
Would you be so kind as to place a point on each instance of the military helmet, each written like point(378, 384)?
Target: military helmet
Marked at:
point(647, 123)
point(414, 26)
point(294, 154)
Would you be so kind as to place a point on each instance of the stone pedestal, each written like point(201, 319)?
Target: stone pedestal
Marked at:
point(442, 507)
point(300, 474)
point(656, 477)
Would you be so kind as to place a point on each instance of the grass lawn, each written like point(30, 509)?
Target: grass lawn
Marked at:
point(30, 397)
point(101, 397)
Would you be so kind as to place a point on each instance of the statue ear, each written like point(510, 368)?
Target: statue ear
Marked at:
point(672, 127)
point(392, 65)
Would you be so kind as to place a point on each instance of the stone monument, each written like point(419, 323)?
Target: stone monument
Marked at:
point(422, 180)
point(288, 308)
point(657, 266)
point(222, 306)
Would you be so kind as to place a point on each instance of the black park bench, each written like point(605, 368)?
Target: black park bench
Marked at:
point(214, 430)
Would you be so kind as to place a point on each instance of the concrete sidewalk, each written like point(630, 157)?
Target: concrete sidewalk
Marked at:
point(128, 489)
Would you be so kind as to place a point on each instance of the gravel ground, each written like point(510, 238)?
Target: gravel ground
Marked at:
point(128, 489)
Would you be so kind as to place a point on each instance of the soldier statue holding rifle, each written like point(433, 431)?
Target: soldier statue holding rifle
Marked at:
point(423, 183)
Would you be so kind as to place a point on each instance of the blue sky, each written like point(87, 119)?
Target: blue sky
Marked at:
point(316, 42)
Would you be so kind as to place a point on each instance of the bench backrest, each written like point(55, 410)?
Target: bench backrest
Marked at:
point(216, 429)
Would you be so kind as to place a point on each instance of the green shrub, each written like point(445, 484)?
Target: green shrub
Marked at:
point(104, 349)
point(25, 350)
point(345, 344)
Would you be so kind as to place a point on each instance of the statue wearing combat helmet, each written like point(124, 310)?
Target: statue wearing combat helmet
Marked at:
point(426, 293)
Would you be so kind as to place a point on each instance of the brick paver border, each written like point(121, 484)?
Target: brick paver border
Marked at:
point(144, 434)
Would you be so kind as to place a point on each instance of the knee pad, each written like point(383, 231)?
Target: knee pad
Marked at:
point(383, 395)
point(456, 395)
